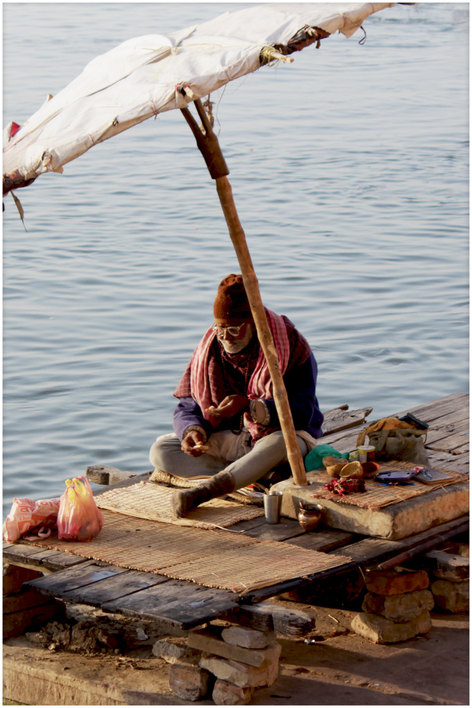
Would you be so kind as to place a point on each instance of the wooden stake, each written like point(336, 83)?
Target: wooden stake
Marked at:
point(211, 151)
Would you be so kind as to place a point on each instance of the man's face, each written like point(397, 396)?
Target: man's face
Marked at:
point(234, 337)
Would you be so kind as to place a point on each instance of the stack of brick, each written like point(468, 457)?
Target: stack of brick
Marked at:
point(186, 679)
point(396, 606)
point(227, 663)
point(23, 608)
point(450, 579)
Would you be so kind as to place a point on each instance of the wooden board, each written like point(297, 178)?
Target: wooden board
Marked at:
point(341, 418)
point(370, 549)
point(285, 529)
point(179, 604)
point(68, 580)
point(324, 539)
point(113, 588)
point(43, 559)
point(448, 432)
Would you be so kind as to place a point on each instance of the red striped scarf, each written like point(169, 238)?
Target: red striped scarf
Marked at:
point(259, 386)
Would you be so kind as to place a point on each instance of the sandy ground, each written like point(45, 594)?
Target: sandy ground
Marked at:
point(345, 669)
point(332, 666)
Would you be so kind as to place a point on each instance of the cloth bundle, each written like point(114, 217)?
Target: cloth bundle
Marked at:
point(395, 439)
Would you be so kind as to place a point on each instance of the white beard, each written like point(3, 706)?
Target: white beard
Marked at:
point(234, 346)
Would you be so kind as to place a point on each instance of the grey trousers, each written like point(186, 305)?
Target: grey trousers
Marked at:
point(226, 451)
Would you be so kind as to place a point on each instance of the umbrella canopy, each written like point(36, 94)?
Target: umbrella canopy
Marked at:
point(148, 75)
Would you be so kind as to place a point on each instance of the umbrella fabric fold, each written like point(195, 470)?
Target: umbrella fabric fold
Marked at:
point(144, 76)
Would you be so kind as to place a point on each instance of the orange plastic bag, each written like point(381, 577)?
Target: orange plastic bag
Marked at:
point(78, 519)
point(28, 516)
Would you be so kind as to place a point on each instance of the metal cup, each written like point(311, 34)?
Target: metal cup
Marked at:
point(272, 504)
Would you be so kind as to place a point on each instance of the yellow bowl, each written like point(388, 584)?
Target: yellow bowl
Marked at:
point(334, 465)
point(353, 470)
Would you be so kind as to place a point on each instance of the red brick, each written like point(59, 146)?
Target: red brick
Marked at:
point(395, 582)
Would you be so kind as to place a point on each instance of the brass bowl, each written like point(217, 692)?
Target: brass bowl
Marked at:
point(334, 465)
point(309, 517)
point(353, 470)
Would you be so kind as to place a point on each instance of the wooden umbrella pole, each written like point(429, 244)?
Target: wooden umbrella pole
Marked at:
point(264, 333)
point(209, 146)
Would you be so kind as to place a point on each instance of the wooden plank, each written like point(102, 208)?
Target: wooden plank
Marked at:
point(255, 596)
point(370, 549)
point(249, 524)
point(434, 410)
point(113, 588)
point(448, 436)
point(124, 483)
point(453, 407)
point(57, 560)
point(324, 539)
point(364, 551)
point(449, 461)
point(30, 556)
point(267, 617)
point(285, 529)
point(66, 580)
point(176, 604)
point(456, 416)
point(19, 551)
point(343, 441)
point(105, 474)
point(340, 419)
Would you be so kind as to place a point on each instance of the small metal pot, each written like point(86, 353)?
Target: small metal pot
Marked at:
point(310, 516)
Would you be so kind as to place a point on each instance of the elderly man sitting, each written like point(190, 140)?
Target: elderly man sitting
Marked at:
point(226, 424)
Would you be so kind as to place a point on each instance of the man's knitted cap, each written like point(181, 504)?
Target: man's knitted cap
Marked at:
point(231, 304)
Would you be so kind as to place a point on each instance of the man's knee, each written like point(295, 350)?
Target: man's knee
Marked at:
point(163, 449)
point(276, 441)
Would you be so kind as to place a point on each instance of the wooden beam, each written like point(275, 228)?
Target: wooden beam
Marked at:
point(209, 147)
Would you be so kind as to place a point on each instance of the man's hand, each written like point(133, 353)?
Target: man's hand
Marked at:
point(229, 406)
point(193, 444)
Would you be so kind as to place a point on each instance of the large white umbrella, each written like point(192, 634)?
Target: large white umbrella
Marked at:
point(148, 75)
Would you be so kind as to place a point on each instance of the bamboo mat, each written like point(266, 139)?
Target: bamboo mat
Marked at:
point(148, 500)
point(378, 495)
point(210, 557)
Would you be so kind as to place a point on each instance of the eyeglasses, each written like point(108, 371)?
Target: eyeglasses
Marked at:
point(232, 330)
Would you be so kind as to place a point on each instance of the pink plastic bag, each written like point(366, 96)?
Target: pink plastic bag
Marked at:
point(27, 516)
point(78, 519)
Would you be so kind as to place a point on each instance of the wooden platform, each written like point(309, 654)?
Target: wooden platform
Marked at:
point(179, 605)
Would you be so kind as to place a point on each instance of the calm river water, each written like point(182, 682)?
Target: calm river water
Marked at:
point(350, 173)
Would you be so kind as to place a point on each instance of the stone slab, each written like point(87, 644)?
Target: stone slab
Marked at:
point(209, 641)
point(241, 674)
point(451, 596)
point(245, 637)
point(394, 521)
point(448, 566)
point(383, 631)
point(33, 676)
point(225, 693)
point(399, 608)
point(191, 683)
point(175, 650)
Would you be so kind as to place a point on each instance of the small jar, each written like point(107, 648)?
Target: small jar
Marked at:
point(310, 516)
point(366, 453)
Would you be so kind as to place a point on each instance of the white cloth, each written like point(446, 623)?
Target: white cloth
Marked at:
point(139, 78)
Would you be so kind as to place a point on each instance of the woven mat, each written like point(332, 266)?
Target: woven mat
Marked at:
point(378, 495)
point(148, 500)
point(210, 557)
